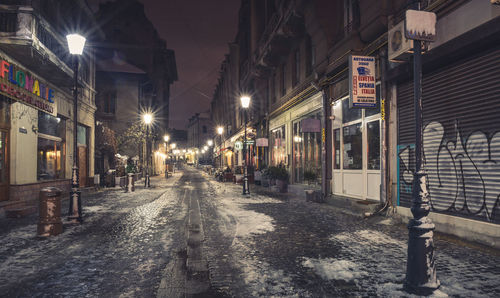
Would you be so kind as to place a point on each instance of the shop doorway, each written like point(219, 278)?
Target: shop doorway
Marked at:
point(82, 165)
point(356, 151)
point(4, 165)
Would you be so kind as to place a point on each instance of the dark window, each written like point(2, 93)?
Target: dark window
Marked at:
point(109, 102)
point(310, 59)
point(296, 67)
point(282, 80)
point(204, 129)
point(50, 125)
point(273, 89)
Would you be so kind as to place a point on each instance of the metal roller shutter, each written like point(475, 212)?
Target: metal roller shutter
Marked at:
point(461, 112)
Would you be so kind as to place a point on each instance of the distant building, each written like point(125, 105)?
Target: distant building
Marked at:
point(135, 71)
point(200, 130)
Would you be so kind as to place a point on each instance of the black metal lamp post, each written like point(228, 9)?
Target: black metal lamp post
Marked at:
point(76, 43)
point(166, 138)
point(420, 271)
point(148, 119)
point(220, 130)
point(245, 103)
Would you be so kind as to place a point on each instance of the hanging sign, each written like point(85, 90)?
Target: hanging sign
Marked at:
point(310, 125)
point(362, 82)
point(420, 25)
point(238, 145)
point(262, 142)
point(26, 88)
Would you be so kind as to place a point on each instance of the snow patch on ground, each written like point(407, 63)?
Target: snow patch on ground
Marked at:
point(330, 268)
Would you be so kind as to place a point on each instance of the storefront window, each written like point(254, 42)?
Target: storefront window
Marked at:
point(4, 111)
point(50, 157)
point(349, 115)
point(353, 147)
point(336, 148)
point(373, 131)
point(278, 155)
point(82, 135)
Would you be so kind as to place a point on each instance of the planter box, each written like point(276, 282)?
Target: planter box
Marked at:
point(282, 186)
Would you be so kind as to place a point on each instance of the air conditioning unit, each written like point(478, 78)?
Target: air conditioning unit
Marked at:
point(399, 46)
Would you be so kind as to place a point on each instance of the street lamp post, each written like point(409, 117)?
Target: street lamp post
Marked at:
point(220, 130)
point(148, 119)
point(76, 43)
point(166, 138)
point(245, 103)
point(420, 269)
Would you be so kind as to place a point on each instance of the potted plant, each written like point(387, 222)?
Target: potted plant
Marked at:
point(280, 174)
point(310, 176)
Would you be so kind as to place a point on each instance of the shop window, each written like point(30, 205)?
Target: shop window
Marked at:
point(82, 135)
point(353, 147)
point(278, 154)
point(348, 114)
point(50, 147)
point(4, 111)
point(373, 131)
point(336, 149)
point(50, 125)
point(204, 129)
point(50, 159)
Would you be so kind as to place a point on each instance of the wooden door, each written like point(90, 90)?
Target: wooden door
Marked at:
point(82, 165)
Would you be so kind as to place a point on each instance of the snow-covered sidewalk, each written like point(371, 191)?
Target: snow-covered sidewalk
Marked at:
point(289, 247)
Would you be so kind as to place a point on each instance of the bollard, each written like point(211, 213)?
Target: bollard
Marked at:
point(130, 183)
point(50, 223)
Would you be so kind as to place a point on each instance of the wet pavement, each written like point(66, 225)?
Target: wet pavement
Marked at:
point(261, 245)
point(120, 249)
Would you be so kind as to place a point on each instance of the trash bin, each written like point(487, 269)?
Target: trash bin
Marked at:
point(49, 220)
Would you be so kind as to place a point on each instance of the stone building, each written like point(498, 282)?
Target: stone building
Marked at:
point(36, 79)
point(293, 56)
point(135, 72)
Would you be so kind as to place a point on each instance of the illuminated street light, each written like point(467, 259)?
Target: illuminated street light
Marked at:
point(148, 119)
point(205, 148)
point(245, 103)
point(173, 145)
point(166, 138)
point(76, 43)
point(210, 143)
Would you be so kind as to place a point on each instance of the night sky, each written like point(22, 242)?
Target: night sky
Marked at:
point(199, 32)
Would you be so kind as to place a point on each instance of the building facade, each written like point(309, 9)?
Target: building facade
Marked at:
point(36, 79)
point(293, 56)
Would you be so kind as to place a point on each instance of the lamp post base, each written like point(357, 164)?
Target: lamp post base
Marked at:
point(75, 206)
point(246, 188)
point(420, 269)
point(146, 181)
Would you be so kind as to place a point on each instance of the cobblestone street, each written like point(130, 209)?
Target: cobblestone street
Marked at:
point(255, 246)
point(124, 242)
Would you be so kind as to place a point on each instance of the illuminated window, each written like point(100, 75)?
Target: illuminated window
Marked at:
point(50, 147)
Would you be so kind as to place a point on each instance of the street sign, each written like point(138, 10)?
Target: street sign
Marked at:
point(362, 90)
point(420, 25)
